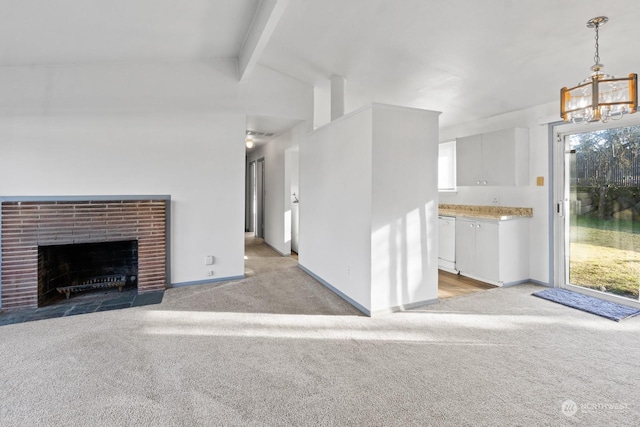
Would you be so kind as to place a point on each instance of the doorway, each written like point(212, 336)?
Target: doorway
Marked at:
point(292, 164)
point(597, 212)
point(256, 198)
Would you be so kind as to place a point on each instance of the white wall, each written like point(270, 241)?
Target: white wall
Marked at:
point(529, 196)
point(335, 205)
point(404, 234)
point(321, 103)
point(155, 154)
point(152, 128)
point(277, 201)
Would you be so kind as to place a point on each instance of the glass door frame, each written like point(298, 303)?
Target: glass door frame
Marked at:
point(560, 204)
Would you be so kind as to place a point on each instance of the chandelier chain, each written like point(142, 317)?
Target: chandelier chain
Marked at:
point(596, 57)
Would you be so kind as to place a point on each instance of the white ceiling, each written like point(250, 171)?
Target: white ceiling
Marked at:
point(468, 59)
point(87, 31)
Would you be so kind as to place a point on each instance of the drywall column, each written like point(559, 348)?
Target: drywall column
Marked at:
point(337, 96)
point(369, 207)
point(404, 208)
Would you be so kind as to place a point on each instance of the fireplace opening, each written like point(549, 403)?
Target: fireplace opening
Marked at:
point(64, 270)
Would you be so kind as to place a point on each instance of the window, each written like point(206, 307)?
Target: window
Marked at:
point(447, 166)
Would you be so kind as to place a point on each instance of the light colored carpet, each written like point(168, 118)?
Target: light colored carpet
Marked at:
point(279, 349)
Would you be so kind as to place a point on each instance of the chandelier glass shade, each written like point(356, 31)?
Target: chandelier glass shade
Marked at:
point(599, 97)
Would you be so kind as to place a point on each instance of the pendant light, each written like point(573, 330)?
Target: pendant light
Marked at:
point(599, 97)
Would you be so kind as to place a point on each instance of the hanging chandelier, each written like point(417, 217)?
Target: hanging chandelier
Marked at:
point(599, 97)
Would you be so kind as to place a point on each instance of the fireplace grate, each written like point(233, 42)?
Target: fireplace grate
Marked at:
point(100, 282)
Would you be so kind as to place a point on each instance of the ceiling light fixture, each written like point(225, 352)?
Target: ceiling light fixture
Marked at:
point(599, 97)
point(248, 143)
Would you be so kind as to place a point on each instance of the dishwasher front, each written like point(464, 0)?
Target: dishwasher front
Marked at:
point(447, 243)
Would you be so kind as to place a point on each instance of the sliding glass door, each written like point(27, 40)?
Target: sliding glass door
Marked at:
point(599, 211)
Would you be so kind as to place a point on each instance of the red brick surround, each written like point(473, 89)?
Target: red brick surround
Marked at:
point(25, 225)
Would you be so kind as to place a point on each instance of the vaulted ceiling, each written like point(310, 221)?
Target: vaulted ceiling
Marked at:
point(468, 59)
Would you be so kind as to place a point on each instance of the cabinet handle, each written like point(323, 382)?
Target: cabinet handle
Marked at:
point(477, 182)
point(485, 182)
point(471, 225)
point(478, 225)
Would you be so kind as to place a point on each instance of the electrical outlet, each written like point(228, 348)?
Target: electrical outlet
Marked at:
point(495, 200)
point(210, 273)
point(348, 270)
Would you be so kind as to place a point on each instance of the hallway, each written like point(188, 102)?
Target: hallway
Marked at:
point(272, 284)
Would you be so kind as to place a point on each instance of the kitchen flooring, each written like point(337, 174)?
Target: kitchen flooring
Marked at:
point(452, 285)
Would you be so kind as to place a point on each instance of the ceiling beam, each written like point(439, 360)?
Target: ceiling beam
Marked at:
point(263, 25)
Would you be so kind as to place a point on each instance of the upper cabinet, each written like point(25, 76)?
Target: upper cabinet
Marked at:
point(498, 158)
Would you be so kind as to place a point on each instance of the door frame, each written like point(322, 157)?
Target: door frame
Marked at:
point(559, 204)
point(256, 191)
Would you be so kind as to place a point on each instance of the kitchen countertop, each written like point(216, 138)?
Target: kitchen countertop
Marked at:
point(501, 213)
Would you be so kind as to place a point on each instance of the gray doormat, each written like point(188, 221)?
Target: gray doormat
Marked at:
point(608, 309)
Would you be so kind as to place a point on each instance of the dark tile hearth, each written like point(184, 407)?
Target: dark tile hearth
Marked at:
point(89, 302)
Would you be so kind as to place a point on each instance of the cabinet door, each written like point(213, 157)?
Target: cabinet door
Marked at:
point(469, 160)
point(498, 158)
point(465, 246)
point(487, 255)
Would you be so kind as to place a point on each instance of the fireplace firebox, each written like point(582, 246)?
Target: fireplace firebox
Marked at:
point(63, 269)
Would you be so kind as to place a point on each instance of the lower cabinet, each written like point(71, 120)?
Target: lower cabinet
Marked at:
point(465, 245)
point(493, 251)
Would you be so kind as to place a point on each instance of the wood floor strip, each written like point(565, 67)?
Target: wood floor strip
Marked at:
point(452, 285)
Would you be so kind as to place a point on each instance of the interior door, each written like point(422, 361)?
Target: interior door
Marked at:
point(251, 196)
point(259, 198)
point(598, 212)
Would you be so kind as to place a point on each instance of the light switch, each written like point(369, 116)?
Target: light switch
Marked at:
point(540, 181)
point(208, 260)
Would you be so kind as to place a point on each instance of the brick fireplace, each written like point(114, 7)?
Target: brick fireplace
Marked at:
point(28, 226)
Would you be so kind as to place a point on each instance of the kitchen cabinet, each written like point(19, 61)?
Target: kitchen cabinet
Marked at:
point(487, 250)
point(493, 251)
point(468, 160)
point(498, 158)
